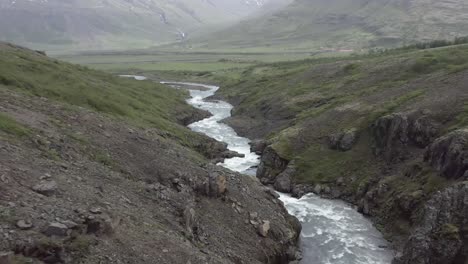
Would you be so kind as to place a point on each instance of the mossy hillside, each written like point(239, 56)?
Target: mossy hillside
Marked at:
point(10, 126)
point(143, 103)
point(328, 95)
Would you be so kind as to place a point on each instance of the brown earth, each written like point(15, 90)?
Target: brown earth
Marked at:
point(83, 187)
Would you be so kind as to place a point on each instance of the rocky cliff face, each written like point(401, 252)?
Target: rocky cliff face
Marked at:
point(395, 133)
point(449, 155)
point(440, 235)
point(437, 219)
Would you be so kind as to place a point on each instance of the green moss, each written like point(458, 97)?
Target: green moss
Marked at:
point(10, 126)
point(103, 158)
point(450, 231)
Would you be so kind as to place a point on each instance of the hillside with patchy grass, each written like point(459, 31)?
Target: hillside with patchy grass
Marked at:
point(96, 168)
point(345, 25)
point(386, 132)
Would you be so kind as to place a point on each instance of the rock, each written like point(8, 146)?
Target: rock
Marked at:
point(217, 184)
point(229, 154)
point(300, 190)
point(390, 133)
point(271, 164)
point(343, 141)
point(69, 224)
point(294, 255)
point(440, 232)
point(6, 257)
point(56, 229)
point(318, 189)
point(46, 188)
point(296, 225)
point(449, 154)
point(393, 133)
point(100, 225)
point(258, 146)
point(253, 215)
point(24, 224)
point(283, 183)
point(95, 210)
point(189, 219)
point(423, 131)
point(272, 193)
point(263, 228)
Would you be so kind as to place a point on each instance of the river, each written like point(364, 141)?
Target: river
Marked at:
point(333, 232)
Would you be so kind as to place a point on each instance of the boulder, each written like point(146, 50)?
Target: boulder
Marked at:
point(217, 184)
point(56, 229)
point(449, 154)
point(100, 225)
point(343, 141)
point(264, 228)
point(283, 182)
point(228, 154)
point(271, 164)
point(24, 224)
point(258, 146)
point(47, 188)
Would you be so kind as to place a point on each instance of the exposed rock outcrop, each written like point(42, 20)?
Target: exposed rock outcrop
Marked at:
point(344, 140)
point(393, 133)
point(449, 154)
point(283, 182)
point(441, 235)
point(258, 146)
point(271, 164)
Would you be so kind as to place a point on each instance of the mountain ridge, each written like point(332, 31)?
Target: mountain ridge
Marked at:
point(356, 24)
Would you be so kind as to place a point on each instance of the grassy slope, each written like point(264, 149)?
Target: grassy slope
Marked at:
point(320, 24)
point(326, 96)
point(144, 103)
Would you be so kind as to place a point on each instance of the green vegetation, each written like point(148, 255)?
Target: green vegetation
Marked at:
point(104, 158)
point(10, 126)
point(322, 96)
point(144, 103)
point(149, 61)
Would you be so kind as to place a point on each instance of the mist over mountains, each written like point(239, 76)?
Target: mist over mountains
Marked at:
point(218, 24)
point(96, 24)
point(322, 24)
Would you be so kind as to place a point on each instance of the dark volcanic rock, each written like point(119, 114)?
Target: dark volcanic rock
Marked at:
point(258, 146)
point(393, 133)
point(283, 182)
point(232, 154)
point(449, 154)
point(271, 164)
point(441, 234)
point(56, 229)
point(343, 141)
point(193, 116)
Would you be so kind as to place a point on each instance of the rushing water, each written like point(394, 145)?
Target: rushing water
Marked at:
point(332, 231)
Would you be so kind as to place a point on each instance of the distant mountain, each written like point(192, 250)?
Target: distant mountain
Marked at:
point(96, 24)
point(351, 24)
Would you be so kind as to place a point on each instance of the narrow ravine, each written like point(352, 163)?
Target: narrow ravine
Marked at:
point(332, 231)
